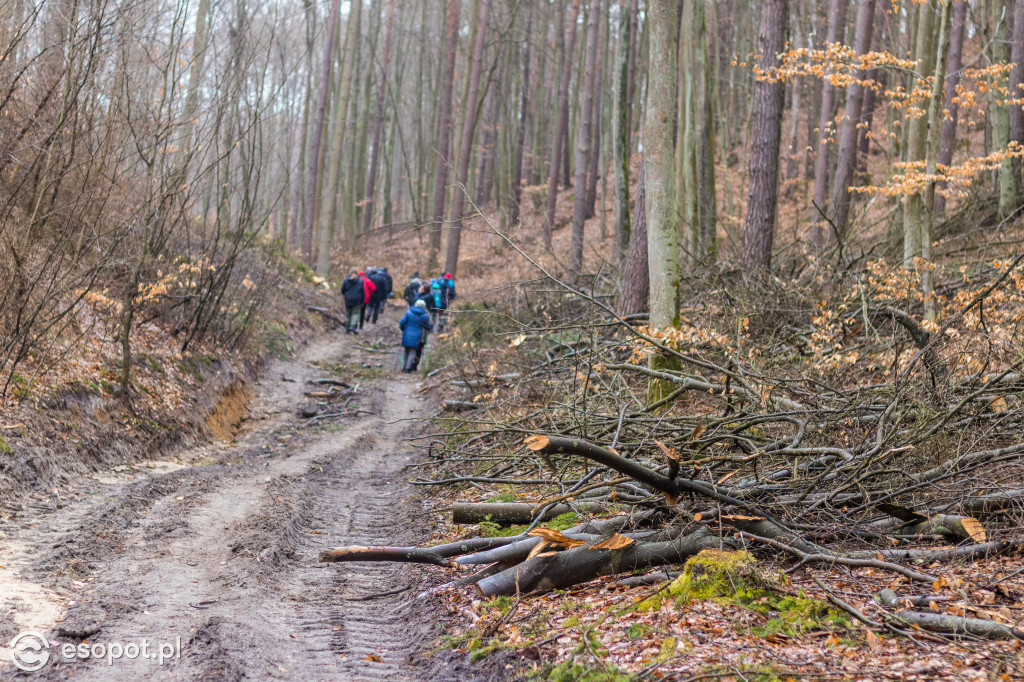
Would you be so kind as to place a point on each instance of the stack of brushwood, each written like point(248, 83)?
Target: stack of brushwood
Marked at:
point(716, 446)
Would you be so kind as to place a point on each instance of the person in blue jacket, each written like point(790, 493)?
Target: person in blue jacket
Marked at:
point(415, 326)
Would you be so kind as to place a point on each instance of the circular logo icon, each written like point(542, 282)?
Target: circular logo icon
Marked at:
point(30, 651)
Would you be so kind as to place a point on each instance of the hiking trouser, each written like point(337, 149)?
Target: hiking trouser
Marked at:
point(409, 360)
point(352, 315)
point(375, 310)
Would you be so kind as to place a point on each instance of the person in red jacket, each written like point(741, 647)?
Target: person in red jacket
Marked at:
point(368, 287)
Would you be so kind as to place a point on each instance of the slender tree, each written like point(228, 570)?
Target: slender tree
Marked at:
point(562, 126)
point(829, 100)
point(371, 177)
point(524, 104)
point(846, 159)
point(584, 142)
point(917, 138)
point(444, 127)
point(951, 103)
point(466, 147)
point(659, 167)
point(763, 194)
point(620, 133)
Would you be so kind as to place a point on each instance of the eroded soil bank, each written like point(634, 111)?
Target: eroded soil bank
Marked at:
point(215, 552)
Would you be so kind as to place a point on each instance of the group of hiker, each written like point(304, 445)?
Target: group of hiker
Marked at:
point(366, 293)
point(428, 301)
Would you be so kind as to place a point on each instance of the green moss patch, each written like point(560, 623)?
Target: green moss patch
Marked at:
point(734, 578)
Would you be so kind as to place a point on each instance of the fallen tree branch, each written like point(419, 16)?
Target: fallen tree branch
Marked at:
point(821, 558)
point(948, 624)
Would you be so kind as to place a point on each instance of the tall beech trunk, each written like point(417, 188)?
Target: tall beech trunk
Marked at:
point(917, 138)
point(596, 116)
point(466, 147)
point(846, 158)
point(951, 105)
point(999, 115)
point(635, 270)
point(659, 168)
point(867, 116)
point(826, 117)
point(334, 158)
point(620, 135)
point(934, 116)
point(1017, 87)
point(704, 125)
point(562, 126)
point(583, 143)
point(524, 106)
point(318, 134)
point(444, 131)
point(378, 118)
point(763, 195)
point(295, 223)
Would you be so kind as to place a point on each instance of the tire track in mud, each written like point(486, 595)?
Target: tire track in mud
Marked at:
point(224, 555)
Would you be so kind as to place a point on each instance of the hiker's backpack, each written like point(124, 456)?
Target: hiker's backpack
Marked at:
point(435, 289)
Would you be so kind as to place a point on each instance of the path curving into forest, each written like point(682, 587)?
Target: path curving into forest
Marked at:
point(222, 552)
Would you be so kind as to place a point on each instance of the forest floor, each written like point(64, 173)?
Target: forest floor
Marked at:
point(214, 552)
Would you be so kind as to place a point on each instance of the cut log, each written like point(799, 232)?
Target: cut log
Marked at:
point(332, 382)
point(510, 513)
point(547, 572)
point(410, 555)
point(308, 409)
point(461, 405)
point(949, 525)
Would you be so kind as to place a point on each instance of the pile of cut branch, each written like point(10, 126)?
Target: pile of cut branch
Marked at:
point(729, 444)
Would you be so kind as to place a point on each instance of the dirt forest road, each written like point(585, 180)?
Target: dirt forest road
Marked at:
point(215, 555)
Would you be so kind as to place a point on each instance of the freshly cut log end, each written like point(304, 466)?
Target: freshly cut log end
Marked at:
point(537, 442)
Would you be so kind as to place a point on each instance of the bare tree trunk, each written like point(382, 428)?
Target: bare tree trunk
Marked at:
point(836, 34)
point(200, 42)
point(999, 114)
point(1017, 88)
point(524, 104)
point(444, 129)
point(763, 195)
point(704, 124)
point(847, 156)
point(917, 138)
point(596, 115)
point(562, 125)
point(371, 178)
point(659, 167)
point(867, 115)
point(635, 270)
point(620, 135)
point(947, 135)
point(294, 237)
point(466, 147)
point(934, 116)
point(334, 163)
point(583, 149)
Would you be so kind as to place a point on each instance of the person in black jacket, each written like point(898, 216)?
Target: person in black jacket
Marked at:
point(412, 289)
point(354, 292)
